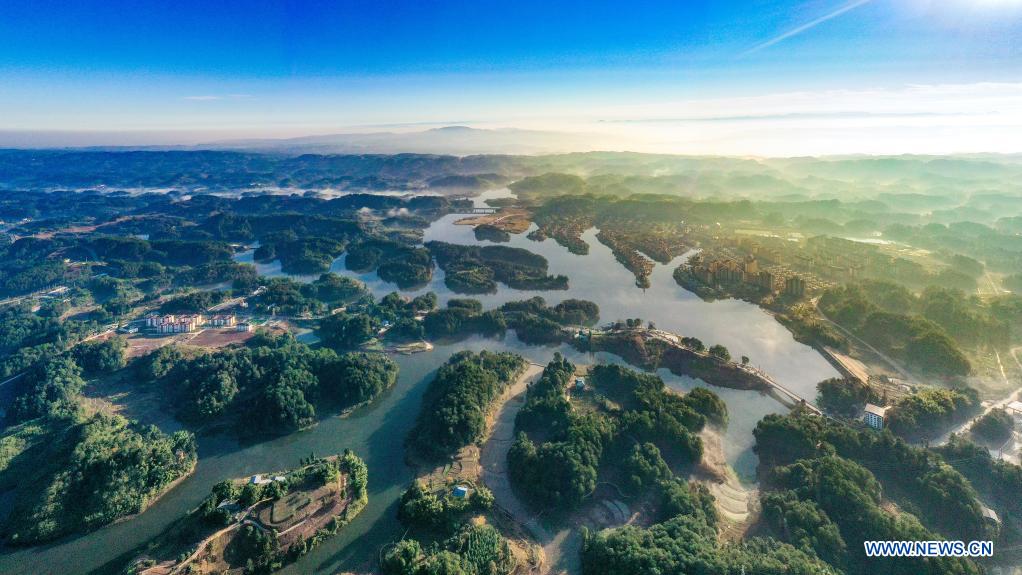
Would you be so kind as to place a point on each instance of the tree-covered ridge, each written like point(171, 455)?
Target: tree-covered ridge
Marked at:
point(845, 396)
point(477, 269)
point(997, 480)
point(924, 414)
point(27, 336)
point(439, 511)
point(299, 255)
point(72, 473)
point(404, 265)
point(285, 296)
point(928, 413)
point(994, 427)
point(823, 502)
point(828, 476)
point(920, 342)
point(637, 422)
point(157, 244)
point(273, 384)
point(456, 403)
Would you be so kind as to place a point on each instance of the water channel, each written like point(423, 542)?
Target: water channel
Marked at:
point(377, 432)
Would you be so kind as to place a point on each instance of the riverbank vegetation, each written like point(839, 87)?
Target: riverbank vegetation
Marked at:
point(406, 266)
point(458, 399)
point(71, 472)
point(67, 470)
point(491, 233)
point(272, 386)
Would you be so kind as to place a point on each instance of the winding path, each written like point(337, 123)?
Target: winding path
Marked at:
point(559, 548)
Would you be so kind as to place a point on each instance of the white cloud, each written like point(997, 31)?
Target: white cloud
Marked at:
point(807, 26)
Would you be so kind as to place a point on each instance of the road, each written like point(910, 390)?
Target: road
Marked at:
point(999, 404)
point(893, 364)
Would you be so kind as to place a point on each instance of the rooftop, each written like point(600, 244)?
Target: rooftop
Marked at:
point(876, 410)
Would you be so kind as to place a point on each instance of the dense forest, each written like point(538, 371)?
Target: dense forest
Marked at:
point(70, 471)
point(477, 269)
point(533, 320)
point(824, 483)
point(456, 403)
point(474, 550)
point(638, 421)
point(917, 339)
point(273, 384)
point(684, 540)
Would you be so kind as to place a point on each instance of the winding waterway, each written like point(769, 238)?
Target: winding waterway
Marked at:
point(377, 432)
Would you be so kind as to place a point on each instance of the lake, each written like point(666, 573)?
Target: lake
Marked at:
point(377, 432)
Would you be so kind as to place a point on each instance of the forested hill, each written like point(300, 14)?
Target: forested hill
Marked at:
point(213, 170)
point(616, 173)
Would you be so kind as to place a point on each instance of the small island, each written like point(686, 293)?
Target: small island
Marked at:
point(474, 269)
point(260, 523)
point(489, 232)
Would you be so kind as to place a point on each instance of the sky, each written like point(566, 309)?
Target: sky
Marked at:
point(784, 77)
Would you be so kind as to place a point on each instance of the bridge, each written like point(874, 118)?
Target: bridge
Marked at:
point(783, 394)
point(776, 389)
point(475, 211)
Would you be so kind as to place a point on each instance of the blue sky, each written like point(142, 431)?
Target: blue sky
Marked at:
point(193, 70)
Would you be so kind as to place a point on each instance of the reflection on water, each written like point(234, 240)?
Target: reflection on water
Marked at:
point(377, 432)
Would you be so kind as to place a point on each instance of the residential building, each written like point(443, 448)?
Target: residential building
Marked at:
point(223, 320)
point(795, 286)
point(874, 416)
point(171, 323)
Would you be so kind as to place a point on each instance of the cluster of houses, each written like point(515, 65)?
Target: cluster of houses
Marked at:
point(172, 323)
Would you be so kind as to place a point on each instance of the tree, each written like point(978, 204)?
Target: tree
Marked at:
point(343, 331)
point(845, 396)
point(356, 377)
point(50, 387)
point(720, 352)
point(282, 407)
point(104, 356)
point(995, 427)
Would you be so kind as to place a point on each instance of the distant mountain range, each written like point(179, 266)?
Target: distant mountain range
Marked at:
point(452, 140)
point(446, 140)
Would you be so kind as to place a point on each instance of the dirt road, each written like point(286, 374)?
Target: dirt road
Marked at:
point(560, 549)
